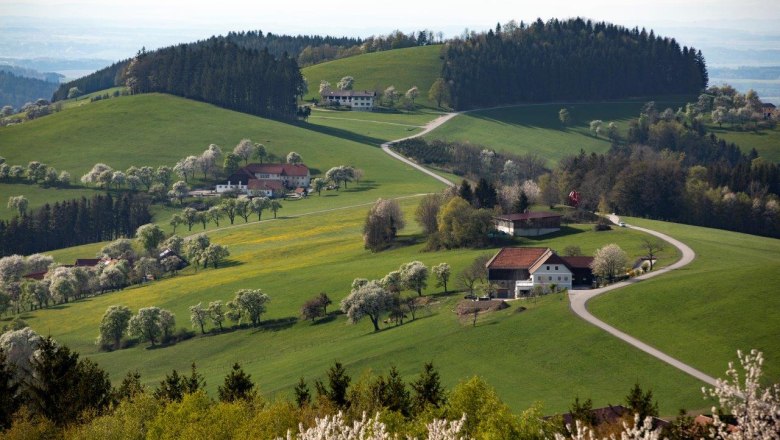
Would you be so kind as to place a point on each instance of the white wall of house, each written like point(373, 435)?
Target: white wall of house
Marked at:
point(232, 187)
point(547, 274)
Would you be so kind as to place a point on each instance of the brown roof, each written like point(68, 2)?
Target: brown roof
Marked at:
point(517, 257)
point(36, 275)
point(87, 262)
point(273, 185)
point(285, 169)
point(528, 216)
point(578, 262)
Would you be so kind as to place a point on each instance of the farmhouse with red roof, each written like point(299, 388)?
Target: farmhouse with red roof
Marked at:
point(267, 179)
point(516, 271)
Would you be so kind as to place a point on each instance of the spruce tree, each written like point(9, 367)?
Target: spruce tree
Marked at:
point(302, 394)
point(238, 386)
point(428, 389)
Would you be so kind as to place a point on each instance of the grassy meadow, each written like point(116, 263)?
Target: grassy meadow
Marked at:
point(766, 142)
point(536, 129)
point(702, 314)
point(158, 129)
point(402, 68)
point(550, 355)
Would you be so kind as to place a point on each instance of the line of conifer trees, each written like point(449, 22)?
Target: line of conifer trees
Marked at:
point(572, 60)
point(221, 73)
point(74, 222)
point(104, 78)
point(216, 71)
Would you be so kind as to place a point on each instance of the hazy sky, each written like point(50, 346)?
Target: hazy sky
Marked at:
point(163, 22)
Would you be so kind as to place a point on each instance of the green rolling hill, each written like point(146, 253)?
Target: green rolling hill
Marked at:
point(157, 129)
point(535, 128)
point(402, 68)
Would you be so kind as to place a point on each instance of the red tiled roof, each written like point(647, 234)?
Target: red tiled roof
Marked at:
point(528, 216)
point(273, 185)
point(578, 262)
point(516, 258)
point(285, 169)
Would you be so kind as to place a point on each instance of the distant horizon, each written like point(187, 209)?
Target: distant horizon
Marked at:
point(111, 30)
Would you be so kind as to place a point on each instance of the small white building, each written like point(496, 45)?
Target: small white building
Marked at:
point(356, 100)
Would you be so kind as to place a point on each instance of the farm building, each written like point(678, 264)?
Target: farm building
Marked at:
point(363, 101)
point(517, 271)
point(529, 224)
point(269, 179)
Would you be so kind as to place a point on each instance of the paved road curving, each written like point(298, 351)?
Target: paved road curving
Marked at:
point(580, 298)
point(426, 129)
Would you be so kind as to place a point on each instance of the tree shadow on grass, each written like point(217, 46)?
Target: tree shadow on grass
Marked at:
point(340, 133)
point(365, 185)
point(276, 325)
point(565, 231)
point(329, 318)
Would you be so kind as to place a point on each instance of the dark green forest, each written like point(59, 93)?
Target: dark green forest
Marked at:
point(18, 90)
point(568, 60)
point(74, 222)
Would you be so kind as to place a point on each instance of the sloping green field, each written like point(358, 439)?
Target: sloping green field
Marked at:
point(766, 142)
point(535, 128)
point(402, 68)
point(702, 314)
point(158, 129)
point(542, 354)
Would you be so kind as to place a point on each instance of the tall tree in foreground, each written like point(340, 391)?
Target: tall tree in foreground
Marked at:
point(428, 389)
point(237, 386)
point(65, 386)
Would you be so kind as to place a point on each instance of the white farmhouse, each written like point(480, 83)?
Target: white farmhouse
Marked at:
point(268, 179)
point(357, 100)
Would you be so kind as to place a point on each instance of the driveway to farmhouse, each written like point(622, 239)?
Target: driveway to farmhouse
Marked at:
point(426, 129)
point(580, 298)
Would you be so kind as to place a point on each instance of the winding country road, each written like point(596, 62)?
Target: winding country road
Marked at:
point(579, 298)
point(426, 129)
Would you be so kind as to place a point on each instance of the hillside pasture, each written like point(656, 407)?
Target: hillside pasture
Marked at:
point(157, 129)
point(536, 128)
point(726, 300)
point(402, 68)
point(549, 355)
point(766, 142)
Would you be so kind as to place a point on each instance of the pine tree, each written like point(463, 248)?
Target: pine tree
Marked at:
point(238, 386)
point(641, 403)
point(428, 389)
point(302, 394)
